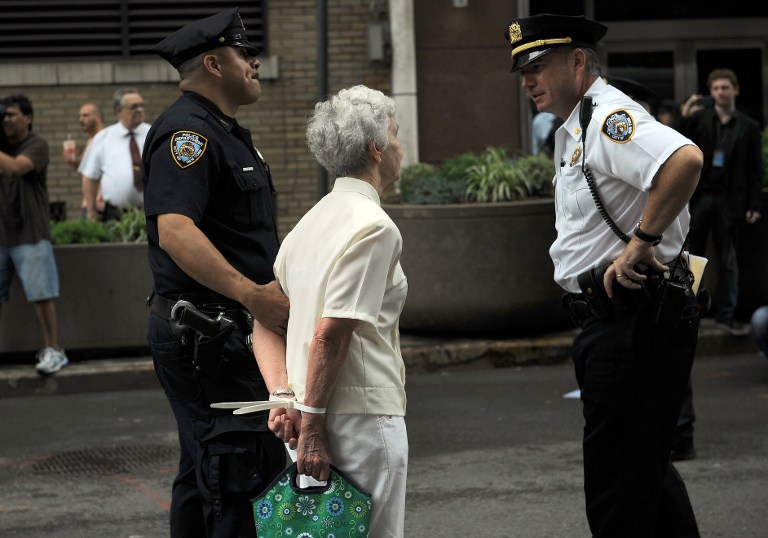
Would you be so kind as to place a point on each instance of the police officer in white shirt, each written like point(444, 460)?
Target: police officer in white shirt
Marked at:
point(617, 256)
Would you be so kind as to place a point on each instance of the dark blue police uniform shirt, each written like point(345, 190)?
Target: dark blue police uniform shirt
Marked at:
point(200, 163)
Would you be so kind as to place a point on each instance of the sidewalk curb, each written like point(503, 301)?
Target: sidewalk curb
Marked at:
point(419, 355)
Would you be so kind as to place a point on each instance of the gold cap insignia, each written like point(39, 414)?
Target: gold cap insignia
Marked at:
point(515, 34)
point(221, 39)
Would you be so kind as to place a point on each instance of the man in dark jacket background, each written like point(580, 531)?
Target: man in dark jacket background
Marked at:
point(729, 190)
point(728, 194)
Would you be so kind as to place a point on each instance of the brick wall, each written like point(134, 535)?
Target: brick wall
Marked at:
point(277, 120)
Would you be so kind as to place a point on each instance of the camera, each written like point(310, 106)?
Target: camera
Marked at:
point(706, 102)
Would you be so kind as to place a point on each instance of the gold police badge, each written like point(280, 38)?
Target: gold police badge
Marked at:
point(619, 126)
point(515, 34)
point(187, 147)
point(576, 155)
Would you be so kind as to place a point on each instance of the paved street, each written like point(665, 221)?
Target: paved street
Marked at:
point(494, 453)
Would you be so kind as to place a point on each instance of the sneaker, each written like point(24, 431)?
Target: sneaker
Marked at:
point(736, 328)
point(50, 361)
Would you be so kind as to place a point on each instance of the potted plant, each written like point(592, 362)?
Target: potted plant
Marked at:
point(476, 235)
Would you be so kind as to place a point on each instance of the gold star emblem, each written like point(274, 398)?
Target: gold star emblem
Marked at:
point(515, 34)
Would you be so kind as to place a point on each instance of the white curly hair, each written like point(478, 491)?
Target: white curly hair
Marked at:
point(340, 128)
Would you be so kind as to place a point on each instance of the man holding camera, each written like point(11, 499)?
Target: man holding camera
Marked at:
point(729, 191)
point(622, 184)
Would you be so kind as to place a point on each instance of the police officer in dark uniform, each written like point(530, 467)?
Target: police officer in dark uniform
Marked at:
point(212, 242)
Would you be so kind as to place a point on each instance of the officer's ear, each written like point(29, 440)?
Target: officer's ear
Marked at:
point(579, 58)
point(212, 65)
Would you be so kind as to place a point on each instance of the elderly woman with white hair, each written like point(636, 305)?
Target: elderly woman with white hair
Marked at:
point(340, 268)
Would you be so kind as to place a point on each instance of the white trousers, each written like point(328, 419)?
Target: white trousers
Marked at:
point(373, 451)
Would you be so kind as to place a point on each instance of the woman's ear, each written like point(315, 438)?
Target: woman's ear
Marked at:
point(373, 151)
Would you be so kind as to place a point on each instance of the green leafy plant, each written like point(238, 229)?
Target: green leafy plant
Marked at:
point(495, 178)
point(423, 183)
point(132, 228)
point(536, 172)
point(79, 231)
point(490, 176)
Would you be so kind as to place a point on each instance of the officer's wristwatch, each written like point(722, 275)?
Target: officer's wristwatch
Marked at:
point(648, 238)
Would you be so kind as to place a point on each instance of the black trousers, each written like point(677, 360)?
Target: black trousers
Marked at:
point(632, 374)
point(225, 460)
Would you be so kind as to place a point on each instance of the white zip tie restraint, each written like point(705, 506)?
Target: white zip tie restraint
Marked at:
point(241, 408)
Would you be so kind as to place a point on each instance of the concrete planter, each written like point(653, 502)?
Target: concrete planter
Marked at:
point(102, 303)
point(479, 268)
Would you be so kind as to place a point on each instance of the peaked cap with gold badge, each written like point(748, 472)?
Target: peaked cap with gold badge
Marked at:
point(223, 29)
point(533, 37)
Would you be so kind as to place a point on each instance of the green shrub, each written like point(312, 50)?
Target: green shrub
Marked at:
point(422, 183)
point(132, 228)
point(490, 176)
point(537, 172)
point(79, 231)
point(494, 179)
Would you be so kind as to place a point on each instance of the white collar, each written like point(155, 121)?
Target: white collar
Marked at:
point(351, 184)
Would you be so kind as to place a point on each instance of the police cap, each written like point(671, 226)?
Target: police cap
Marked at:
point(533, 37)
point(223, 29)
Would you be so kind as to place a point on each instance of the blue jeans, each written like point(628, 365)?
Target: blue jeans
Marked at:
point(36, 267)
point(759, 323)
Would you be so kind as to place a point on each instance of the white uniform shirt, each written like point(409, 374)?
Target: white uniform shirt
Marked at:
point(108, 159)
point(342, 260)
point(625, 147)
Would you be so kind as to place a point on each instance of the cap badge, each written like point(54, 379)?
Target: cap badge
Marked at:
point(619, 126)
point(187, 147)
point(221, 39)
point(515, 34)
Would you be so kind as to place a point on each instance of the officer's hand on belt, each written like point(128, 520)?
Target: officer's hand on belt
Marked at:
point(623, 270)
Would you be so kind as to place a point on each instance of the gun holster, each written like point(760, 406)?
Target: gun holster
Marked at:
point(624, 299)
point(211, 335)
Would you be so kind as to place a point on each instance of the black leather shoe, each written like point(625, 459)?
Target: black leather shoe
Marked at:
point(683, 450)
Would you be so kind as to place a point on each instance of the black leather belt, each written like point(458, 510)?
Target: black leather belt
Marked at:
point(208, 301)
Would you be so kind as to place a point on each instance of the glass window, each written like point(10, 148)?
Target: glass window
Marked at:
point(655, 70)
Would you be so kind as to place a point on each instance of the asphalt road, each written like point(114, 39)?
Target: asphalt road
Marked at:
point(494, 453)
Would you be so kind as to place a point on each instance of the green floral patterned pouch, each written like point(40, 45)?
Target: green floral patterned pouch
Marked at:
point(336, 509)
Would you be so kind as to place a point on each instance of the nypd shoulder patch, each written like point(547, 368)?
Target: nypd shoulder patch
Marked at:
point(187, 147)
point(619, 126)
